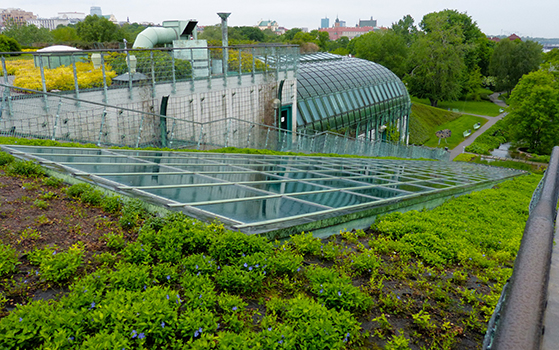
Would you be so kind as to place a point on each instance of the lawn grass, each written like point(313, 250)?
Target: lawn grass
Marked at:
point(469, 107)
point(457, 127)
point(425, 121)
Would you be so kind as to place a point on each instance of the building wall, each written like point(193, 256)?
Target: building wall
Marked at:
point(19, 16)
point(213, 112)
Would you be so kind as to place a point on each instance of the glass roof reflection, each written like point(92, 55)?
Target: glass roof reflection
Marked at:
point(242, 189)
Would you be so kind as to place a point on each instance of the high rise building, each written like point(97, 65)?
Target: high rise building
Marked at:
point(325, 22)
point(95, 10)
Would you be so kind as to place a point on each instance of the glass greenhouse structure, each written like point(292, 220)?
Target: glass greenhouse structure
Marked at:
point(350, 95)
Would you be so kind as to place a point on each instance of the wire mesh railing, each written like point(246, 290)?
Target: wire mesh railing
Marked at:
point(72, 72)
point(517, 323)
point(27, 113)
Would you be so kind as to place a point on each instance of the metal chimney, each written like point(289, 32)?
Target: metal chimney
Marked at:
point(224, 39)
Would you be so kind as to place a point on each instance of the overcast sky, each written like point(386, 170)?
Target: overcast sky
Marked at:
point(535, 18)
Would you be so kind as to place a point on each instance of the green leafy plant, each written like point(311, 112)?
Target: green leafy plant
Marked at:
point(8, 259)
point(114, 240)
point(6, 158)
point(25, 168)
point(58, 266)
point(52, 181)
point(40, 204)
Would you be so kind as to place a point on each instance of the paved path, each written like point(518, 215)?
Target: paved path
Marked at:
point(490, 122)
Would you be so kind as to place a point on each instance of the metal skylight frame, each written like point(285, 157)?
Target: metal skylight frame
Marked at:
point(355, 180)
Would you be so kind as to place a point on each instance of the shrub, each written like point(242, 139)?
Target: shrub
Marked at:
point(132, 213)
point(6, 158)
point(57, 267)
point(232, 245)
point(112, 204)
point(236, 280)
point(25, 168)
point(8, 259)
point(114, 240)
point(75, 191)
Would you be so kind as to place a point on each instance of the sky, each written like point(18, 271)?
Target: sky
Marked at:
point(535, 18)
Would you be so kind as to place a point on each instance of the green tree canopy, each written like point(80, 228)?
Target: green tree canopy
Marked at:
point(534, 111)
point(406, 29)
point(512, 59)
point(385, 47)
point(437, 62)
point(27, 34)
point(63, 34)
point(98, 29)
point(8, 44)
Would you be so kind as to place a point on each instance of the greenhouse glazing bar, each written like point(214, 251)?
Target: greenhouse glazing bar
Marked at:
point(263, 193)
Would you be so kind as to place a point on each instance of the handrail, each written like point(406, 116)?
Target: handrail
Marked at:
point(520, 325)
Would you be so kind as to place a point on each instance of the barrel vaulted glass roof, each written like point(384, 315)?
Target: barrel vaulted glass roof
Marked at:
point(260, 193)
point(337, 93)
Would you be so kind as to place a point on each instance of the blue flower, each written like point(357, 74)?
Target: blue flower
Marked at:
point(250, 268)
point(20, 319)
point(270, 329)
point(200, 297)
point(71, 338)
point(141, 336)
point(339, 293)
point(168, 277)
point(92, 305)
point(257, 265)
point(321, 291)
point(167, 296)
point(134, 334)
point(196, 267)
point(162, 324)
point(280, 341)
point(298, 269)
point(234, 308)
point(245, 265)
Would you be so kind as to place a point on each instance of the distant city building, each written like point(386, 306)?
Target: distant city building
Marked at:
point(339, 23)
point(95, 10)
point(272, 25)
point(325, 22)
point(368, 22)
point(111, 18)
point(73, 17)
point(17, 16)
point(49, 23)
point(511, 37)
point(339, 30)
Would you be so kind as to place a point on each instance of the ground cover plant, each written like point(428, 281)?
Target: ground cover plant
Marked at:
point(77, 275)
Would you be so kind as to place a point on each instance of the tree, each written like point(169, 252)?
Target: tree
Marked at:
point(512, 59)
point(98, 29)
point(406, 29)
point(8, 44)
point(534, 111)
point(386, 48)
point(437, 63)
point(27, 34)
point(63, 34)
point(246, 34)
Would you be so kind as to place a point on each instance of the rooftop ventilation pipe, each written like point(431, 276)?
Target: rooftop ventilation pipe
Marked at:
point(171, 30)
point(224, 39)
